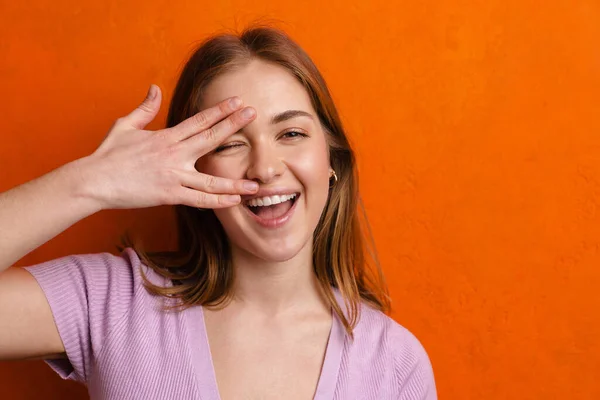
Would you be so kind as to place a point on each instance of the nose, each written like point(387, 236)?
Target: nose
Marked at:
point(265, 164)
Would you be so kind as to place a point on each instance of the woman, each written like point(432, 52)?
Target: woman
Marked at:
point(273, 293)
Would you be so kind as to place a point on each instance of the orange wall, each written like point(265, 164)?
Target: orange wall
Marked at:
point(477, 129)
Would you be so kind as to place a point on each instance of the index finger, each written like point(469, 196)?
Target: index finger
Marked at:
point(205, 118)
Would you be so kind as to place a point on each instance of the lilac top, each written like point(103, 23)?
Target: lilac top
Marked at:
point(122, 346)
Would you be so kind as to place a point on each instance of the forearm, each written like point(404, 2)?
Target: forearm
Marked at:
point(35, 212)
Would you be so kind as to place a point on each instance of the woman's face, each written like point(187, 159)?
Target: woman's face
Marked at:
point(284, 149)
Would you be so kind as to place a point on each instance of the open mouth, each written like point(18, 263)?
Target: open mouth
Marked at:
point(272, 207)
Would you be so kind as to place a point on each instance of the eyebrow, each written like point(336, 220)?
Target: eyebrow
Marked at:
point(284, 116)
point(289, 114)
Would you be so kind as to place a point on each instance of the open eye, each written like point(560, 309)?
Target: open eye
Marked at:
point(293, 135)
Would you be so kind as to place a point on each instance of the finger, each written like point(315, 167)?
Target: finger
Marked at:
point(205, 119)
point(145, 112)
point(217, 185)
point(211, 138)
point(196, 198)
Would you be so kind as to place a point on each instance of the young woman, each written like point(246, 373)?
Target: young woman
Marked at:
point(274, 291)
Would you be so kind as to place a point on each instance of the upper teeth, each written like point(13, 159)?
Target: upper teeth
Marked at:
point(270, 200)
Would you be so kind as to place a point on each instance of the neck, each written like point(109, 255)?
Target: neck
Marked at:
point(277, 287)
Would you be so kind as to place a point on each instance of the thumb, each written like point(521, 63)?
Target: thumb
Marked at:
point(145, 112)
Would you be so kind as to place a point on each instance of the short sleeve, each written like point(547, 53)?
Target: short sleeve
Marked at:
point(88, 295)
point(413, 368)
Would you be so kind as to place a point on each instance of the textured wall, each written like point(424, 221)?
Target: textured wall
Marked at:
point(477, 129)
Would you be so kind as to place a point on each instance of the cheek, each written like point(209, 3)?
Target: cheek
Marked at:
point(311, 164)
point(309, 159)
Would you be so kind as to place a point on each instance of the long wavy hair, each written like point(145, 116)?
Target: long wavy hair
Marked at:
point(344, 255)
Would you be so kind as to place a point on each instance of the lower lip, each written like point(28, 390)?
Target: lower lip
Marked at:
point(274, 222)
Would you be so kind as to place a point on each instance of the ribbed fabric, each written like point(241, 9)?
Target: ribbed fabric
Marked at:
point(123, 346)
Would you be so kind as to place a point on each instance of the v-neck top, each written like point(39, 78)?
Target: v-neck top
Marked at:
point(123, 345)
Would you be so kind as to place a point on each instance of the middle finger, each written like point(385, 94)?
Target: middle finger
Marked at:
point(211, 138)
point(205, 118)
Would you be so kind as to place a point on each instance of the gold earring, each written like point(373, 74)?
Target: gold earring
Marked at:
point(335, 178)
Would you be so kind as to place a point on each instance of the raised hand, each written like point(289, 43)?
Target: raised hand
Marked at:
point(137, 168)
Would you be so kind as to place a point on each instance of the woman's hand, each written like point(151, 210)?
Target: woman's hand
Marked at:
point(136, 168)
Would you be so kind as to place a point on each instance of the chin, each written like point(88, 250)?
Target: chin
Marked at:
point(277, 250)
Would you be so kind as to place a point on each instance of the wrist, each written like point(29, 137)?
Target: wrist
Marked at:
point(78, 177)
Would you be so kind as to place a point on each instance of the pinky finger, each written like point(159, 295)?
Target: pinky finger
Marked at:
point(199, 199)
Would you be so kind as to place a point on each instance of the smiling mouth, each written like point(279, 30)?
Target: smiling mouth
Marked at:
point(272, 207)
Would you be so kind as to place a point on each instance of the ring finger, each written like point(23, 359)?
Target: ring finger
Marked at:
point(217, 185)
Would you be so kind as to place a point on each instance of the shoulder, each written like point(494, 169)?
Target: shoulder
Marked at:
point(95, 288)
point(96, 270)
point(412, 370)
point(89, 296)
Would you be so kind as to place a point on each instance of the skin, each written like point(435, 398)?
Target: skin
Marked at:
point(277, 321)
point(132, 168)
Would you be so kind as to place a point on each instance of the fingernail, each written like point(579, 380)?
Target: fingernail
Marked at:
point(235, 103)
point(248, 112)
point(233, 199)
point(152, 92)
point(250, 186)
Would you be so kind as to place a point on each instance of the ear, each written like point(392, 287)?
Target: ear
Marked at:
point(332, 175)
